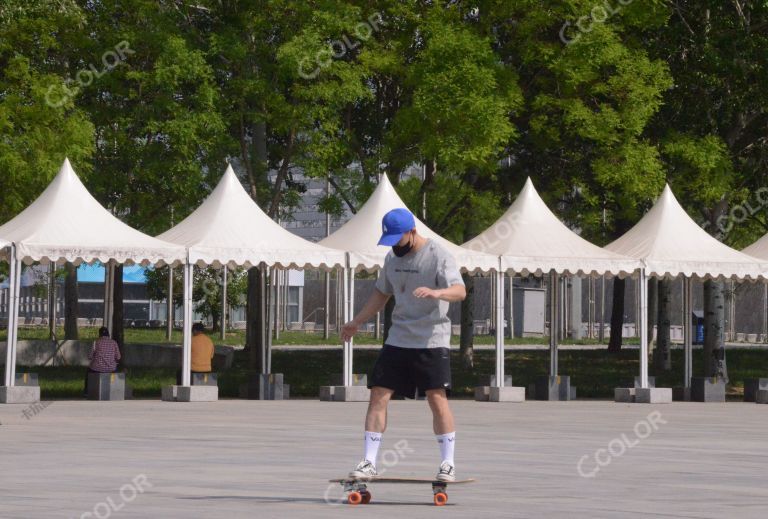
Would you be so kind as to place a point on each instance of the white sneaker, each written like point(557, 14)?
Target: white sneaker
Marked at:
point(447, 472)
point(364, 469)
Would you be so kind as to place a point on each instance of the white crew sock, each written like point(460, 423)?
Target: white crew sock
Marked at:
point(447, 443)
point(372, 442)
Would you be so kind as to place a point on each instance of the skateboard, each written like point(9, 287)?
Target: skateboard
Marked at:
point(357, 488)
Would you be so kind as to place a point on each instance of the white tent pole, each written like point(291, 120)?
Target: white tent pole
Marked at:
point(12, 303)
point(186, 363)
point(223, 303)
point(553, 322)
point(345, 375)
point(350, 365)
point(499, 278)
point(16, 320)
point(643, 285)
point(687, 329)
point(13, 346)
point(170, 308)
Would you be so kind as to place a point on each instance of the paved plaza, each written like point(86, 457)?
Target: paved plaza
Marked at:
point(238, 458)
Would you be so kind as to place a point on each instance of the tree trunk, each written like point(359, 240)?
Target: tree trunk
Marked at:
point(71, 309)
point(117, 314)
point(663, 359)
point(617, 315)
point(466, 339)
point(254, 338)
point(714, 330)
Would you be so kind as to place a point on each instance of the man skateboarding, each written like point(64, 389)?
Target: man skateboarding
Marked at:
point(424, 278)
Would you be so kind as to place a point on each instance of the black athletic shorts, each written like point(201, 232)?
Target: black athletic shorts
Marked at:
point(408, 370)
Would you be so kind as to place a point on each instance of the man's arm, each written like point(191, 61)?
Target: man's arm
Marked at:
point(451, 294)
point(373, 306)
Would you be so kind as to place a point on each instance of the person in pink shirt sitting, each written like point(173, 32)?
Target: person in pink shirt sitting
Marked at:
point(104, 355)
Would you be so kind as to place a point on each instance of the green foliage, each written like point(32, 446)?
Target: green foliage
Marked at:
point(38, 127)
point(599, 112)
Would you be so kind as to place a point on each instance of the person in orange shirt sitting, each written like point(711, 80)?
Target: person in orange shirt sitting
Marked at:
point(202, 351)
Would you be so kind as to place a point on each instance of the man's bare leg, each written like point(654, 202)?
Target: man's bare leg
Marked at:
point(375, 425)
point(376, 417)
point(445, 430)
point(442, 417)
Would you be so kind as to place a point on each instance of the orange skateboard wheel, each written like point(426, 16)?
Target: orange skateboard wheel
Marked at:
point(354, 498)
point(441, 498)
point(366, 497)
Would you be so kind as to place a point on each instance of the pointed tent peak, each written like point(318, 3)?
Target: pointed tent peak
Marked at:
point(66, 171)
point(229, 172)
point(229, 186)
point(385, 185)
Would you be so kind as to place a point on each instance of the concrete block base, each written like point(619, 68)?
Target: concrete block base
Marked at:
point(168, 393)
point(653, 395)
point(19, 394)
point(762, 396)
point(681, 394)
point(707, 389)
point(506, 394)
point(625, 395)
point(345, 393)
point(554, 388)
point(197, 393)
point(262, 386)
point(106, 386)
point(482, 393)
point(751, 387)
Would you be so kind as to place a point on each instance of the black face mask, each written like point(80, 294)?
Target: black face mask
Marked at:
point(402, 250)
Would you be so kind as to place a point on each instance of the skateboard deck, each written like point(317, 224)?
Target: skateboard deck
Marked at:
point(357, 488)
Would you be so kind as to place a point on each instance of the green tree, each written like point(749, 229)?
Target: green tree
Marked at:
point(39, 125)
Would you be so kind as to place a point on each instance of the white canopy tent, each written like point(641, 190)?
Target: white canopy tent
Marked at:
point(359, 237)
point(759, 249)
point(669, 243)
point(530, 239)
point(230, 229)
point(65, 223)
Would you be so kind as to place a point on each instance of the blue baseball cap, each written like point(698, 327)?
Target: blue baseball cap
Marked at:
point(394, 224)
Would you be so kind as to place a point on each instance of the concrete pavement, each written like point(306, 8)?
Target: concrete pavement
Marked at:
point(237, 458)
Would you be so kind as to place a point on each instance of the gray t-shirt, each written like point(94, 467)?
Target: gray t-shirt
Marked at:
point(419, 323)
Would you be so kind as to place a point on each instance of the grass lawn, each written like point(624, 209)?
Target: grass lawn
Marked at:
point(237, 337)
point(595, 372)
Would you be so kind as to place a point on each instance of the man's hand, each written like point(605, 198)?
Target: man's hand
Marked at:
point(426, 292)
point(348, 331)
